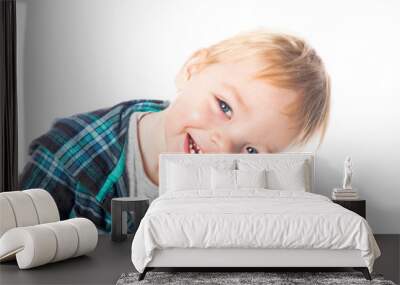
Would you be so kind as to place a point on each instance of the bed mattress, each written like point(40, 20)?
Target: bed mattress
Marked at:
point(250, 219)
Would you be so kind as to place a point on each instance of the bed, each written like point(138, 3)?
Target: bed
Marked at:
point(247, 211)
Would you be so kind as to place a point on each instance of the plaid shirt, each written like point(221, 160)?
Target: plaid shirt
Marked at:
point(81, 161)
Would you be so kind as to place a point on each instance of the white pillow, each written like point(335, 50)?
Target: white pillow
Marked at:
point(226, 179)
point(282, 174)
point(181, 177)
point(293, 179)
point(251, 178)
point(188, 174)
point(223, 179)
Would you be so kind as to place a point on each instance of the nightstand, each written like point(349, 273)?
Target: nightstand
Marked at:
point(119, 208)
point(357, 206)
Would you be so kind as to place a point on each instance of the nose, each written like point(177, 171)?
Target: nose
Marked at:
point(222, 142)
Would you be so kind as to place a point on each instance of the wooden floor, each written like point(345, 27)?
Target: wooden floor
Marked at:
point(110, 260)
point(389, 262)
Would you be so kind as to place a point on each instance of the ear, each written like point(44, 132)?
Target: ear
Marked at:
point(190, 67)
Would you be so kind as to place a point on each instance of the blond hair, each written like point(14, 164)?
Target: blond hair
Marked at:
point(291, 63)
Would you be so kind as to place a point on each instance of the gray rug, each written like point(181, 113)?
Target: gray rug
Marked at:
point(230, 278)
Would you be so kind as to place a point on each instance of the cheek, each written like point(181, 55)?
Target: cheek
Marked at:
point(190, 111)
point(200, 115)
point(284, 131)
point(280, 133)
point(187, 113)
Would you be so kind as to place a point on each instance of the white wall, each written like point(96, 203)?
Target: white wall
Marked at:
point(80, 55)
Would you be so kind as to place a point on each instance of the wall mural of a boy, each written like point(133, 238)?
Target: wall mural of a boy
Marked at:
point(257, 92)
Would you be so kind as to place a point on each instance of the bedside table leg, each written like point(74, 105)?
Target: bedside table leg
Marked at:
point(116, 225)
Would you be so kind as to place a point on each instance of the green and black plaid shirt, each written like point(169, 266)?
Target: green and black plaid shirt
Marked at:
point(81, 161)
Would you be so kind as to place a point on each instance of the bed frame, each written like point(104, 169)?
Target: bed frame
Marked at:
point(250, 259)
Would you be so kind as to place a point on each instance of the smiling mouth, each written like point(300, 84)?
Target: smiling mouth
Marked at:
point(192, 146)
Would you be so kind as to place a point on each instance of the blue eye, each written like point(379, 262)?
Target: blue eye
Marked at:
point(225, 108)
point(251, 149)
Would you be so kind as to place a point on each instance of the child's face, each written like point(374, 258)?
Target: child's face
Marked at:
point(213, 118)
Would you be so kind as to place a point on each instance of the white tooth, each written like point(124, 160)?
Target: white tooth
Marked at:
point(191, 151)
point(190, 145)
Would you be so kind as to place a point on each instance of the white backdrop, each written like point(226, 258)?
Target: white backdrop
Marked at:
point(79, 55)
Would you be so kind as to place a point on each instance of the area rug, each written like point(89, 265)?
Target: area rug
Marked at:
point(269, 278)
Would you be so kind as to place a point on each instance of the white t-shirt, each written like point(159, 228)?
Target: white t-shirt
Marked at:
point(139, 184)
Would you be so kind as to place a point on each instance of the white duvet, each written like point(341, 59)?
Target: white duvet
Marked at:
point(251, 218)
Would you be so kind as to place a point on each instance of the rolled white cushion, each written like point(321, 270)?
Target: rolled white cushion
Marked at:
point(67, 240)
point(23, 208)
point(87, 235)
point(45, 205)
point(26, 208)
point(40, 244)
point(7, 218)
point(33, 246)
